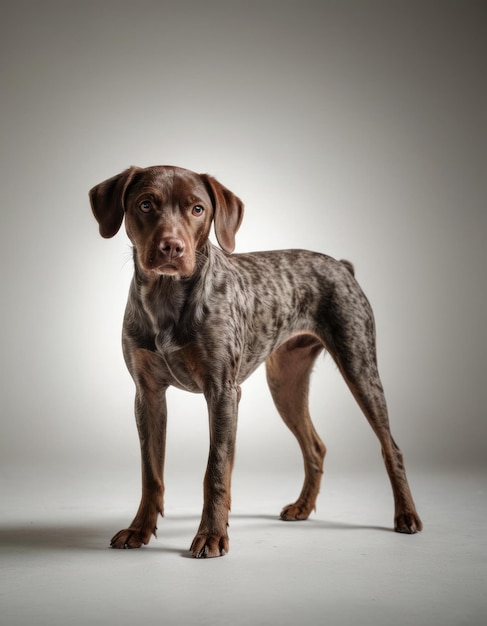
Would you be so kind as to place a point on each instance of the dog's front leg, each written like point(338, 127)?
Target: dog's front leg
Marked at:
point(151, 417)
point(212, 537)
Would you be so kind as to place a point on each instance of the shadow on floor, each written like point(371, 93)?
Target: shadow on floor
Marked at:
point(95, 535)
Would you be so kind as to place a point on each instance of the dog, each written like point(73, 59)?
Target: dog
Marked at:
point(203, 319)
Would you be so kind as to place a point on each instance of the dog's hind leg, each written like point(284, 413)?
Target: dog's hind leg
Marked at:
point(348, 330)
point(368, 392)
point(288, 371)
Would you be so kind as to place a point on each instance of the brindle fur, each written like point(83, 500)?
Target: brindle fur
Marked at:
point(203, 319)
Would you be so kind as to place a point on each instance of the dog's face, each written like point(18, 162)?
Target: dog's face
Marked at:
point(168, 214)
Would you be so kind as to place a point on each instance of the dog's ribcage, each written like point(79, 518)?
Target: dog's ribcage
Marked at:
point(243, 306)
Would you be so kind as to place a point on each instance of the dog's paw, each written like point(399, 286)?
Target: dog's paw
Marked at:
point(295, 512)
point(408, 523)
point(130, 538)
point(209, 546)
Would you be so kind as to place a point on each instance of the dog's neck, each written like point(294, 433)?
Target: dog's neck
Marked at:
point(168, 300)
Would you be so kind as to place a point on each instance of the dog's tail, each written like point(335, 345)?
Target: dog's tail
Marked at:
point(349, 266)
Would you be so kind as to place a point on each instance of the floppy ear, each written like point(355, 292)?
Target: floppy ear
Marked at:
point(107, 201)
point(228, 212)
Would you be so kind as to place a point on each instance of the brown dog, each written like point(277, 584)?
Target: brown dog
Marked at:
point(202, 319)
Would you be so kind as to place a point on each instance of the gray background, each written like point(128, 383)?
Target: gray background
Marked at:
point(353, 128)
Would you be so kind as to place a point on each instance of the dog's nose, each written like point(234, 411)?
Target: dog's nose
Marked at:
point(171, 248)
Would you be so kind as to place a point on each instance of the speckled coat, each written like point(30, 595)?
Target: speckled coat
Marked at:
point(203, 319)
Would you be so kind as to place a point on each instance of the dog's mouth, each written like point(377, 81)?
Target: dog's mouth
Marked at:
point(167, 270)
point(176, 270)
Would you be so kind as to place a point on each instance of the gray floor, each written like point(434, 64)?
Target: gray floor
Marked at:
point(344, 566)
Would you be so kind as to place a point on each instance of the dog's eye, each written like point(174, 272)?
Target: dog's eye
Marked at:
point(145, 206)
point(197, 210)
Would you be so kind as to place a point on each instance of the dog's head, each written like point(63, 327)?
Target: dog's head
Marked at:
point(168, 214)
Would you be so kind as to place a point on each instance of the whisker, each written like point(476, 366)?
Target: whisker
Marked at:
point(128, 257)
